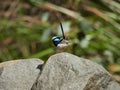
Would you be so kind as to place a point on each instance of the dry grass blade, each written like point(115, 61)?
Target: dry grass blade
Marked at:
point(62, 10)
point(12, 9)
point(112, 5)
point(102, 15)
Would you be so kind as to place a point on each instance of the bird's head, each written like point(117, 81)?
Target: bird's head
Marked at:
point(56, 40)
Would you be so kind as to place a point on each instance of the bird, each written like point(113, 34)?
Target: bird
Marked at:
point(60, 42)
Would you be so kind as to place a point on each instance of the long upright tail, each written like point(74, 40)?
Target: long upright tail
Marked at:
point(62, 30)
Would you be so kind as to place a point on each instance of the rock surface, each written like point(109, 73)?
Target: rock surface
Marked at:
point(19, 74)
point(68, 72)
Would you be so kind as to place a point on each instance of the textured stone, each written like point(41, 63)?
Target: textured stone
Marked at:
point(19, 74)
point(65, 71)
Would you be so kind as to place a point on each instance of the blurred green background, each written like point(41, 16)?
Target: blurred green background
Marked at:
point(92, 26)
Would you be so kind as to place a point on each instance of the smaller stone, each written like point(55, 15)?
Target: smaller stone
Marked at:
point(19, 74)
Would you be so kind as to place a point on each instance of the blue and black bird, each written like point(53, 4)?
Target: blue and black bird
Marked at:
point(58, 41)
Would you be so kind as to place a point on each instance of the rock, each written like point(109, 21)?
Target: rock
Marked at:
point(19, 74)
point(65, 71)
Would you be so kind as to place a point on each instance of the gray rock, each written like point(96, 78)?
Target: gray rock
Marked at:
point(65, 71)
point(19, 74)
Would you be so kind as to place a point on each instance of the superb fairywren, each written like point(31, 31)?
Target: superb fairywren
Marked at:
point(58, 41)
